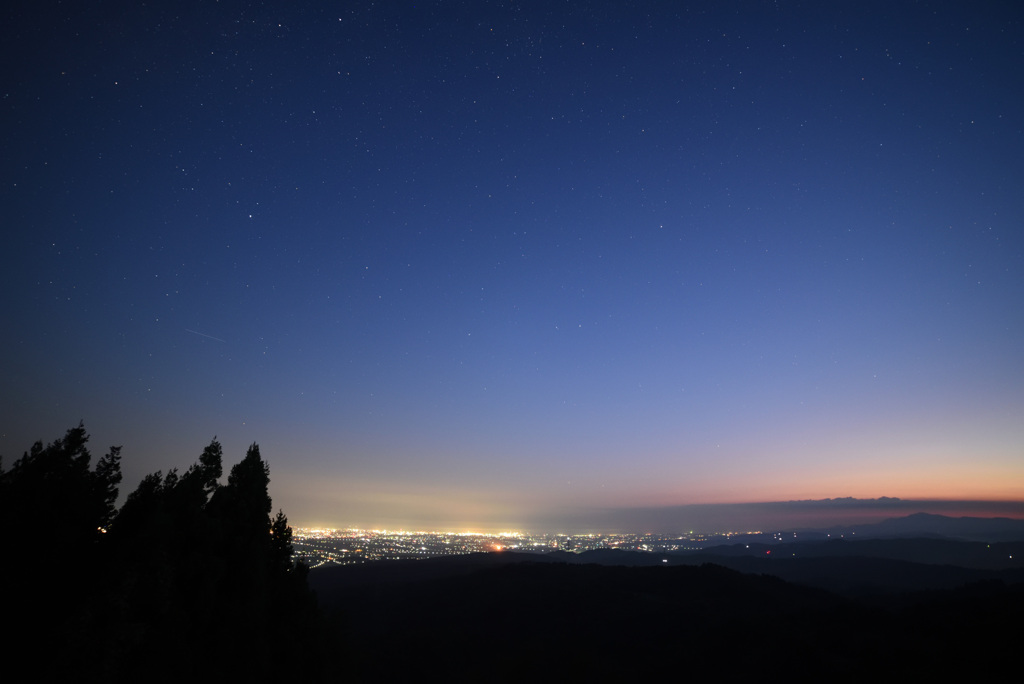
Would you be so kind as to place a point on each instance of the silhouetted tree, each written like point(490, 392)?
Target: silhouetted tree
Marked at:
point(204, 564)
point(244, 503)
point(188, 567)
point(168, 570)
point(280, 557)
point(56, 570)
point(54, 489)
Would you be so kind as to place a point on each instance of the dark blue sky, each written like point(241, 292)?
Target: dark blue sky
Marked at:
point(501, 264)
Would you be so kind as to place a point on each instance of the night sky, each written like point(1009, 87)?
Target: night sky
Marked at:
point(521, 264)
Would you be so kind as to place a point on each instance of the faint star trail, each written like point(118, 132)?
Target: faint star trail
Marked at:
point(194, 332)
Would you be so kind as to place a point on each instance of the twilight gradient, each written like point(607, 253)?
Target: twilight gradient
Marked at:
point(493, 264)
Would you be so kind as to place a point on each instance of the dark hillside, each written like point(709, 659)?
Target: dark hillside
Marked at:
point(519, 618)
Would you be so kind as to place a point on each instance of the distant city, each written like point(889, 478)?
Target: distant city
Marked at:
point(991, 543)
point(320, 547)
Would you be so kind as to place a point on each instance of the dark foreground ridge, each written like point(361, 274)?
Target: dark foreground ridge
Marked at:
point(192, 580)
point(634, 614)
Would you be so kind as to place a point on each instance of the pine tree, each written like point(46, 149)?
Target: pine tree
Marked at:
point(54, 489)
point(280, 557)
point(59, 566)
point(188, 566)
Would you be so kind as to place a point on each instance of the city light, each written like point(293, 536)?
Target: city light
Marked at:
point(317, 547)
